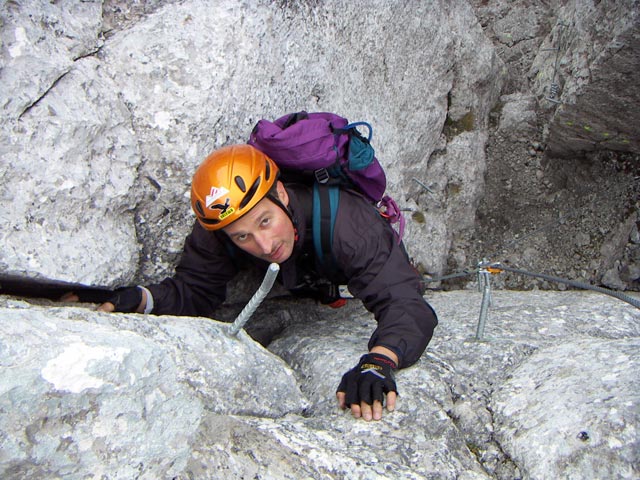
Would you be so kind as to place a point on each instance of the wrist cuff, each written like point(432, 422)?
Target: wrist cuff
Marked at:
point(148, 307)
point(395, 350)
point(382, 358)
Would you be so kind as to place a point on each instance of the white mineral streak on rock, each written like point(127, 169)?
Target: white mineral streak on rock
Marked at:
point(68, 371)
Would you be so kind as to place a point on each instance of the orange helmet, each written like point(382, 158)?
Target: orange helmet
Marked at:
point(229, 183)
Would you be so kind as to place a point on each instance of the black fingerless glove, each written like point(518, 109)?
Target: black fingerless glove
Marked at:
point(369, 380)
point(126, 299)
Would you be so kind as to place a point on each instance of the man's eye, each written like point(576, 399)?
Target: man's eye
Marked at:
point(241, 238)
point(265, 221)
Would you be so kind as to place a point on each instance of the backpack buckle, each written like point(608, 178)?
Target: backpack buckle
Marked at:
point(322, 175)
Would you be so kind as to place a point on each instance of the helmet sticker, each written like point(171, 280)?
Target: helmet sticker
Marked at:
point(215, 194)
point(223, 207)
point(226, 212)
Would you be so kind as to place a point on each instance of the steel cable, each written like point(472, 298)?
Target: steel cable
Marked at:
point(497, 267)
point(619, 295)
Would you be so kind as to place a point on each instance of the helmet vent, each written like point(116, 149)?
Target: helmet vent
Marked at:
point(252, 191)
point(240, 182)
point(199, 208)
point(267, 172)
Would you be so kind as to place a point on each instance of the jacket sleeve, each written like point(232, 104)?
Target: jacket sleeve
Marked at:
point(379, 273)
point(201, 277)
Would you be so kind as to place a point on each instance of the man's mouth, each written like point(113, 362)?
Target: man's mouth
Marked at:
point(277, 253)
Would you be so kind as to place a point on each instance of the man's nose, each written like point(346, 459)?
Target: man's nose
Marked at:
point(264, 243)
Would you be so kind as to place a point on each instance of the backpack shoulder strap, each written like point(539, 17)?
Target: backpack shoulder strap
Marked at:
point(325, 208)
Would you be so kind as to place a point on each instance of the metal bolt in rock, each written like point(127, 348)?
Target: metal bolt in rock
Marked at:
point(484, 284)
point(256, 300)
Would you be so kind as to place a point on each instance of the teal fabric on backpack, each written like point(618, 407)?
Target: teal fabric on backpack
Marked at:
point(325, 208)
point(361, 153)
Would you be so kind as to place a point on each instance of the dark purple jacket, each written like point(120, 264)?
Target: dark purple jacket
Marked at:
point(376, 268)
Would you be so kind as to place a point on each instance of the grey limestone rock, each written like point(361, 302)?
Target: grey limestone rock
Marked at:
point(101, 146)
point(107, 109)
point(123, 395)
point(551, 390)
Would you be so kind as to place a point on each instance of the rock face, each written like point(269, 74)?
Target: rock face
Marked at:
point(553, 373)
point(561, 195)
point(109, 107)
point(68, 149)
point(550, 392)
point(112, 394)
point(595, 68)
point(101, 143)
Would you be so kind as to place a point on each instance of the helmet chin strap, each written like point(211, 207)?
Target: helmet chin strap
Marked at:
point(273, 196)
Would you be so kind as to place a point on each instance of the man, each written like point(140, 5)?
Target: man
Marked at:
point(243, 208)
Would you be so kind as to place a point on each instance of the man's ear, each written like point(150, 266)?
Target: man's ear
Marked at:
point(282, 194)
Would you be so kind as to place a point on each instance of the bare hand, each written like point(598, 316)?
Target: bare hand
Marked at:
point(69, 297)
point(106, 307)
point(72, 297)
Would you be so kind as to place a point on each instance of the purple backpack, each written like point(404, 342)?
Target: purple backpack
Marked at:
point(329, 149)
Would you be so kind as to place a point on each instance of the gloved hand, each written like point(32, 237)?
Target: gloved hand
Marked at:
point(369, 380)
point(126, 299)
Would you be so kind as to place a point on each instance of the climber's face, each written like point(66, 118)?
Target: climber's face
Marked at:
point(266, 231)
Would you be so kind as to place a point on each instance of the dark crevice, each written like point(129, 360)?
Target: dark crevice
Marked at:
point(56, 81)
point(505, 468)
point(90, 53)
point(507, 460)
point(44, 94)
